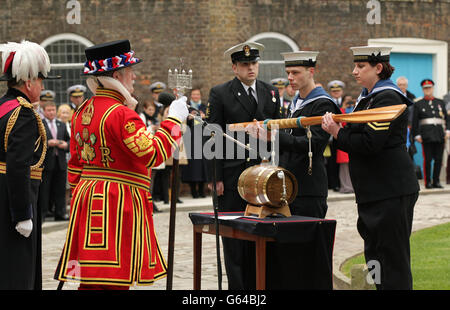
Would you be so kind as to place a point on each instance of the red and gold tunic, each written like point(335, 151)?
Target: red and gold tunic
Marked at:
point(111, 237)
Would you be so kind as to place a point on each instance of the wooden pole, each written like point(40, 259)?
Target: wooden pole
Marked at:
point(173, 210)
point(384, 114)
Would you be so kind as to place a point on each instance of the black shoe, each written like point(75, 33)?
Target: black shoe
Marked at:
point(428, 186)
point(61, 218)
point(437, 185)
point(179, 201)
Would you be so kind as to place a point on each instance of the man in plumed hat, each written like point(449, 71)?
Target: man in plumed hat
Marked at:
point(241, 99)
point(25, 65)
point(111, 241)
point(76, 95)
point(431, 126)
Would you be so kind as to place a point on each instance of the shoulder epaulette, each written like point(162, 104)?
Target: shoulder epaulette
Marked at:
point(42, 134)
point(24, 103)
point(417, 99)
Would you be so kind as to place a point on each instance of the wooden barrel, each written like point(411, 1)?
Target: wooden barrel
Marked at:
point(261, 185)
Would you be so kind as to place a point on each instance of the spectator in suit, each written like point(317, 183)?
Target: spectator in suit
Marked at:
point(53, 186)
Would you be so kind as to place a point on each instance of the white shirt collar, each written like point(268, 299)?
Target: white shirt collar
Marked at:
point(253, 86)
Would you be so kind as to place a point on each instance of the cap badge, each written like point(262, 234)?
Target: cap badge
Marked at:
point(246, 50)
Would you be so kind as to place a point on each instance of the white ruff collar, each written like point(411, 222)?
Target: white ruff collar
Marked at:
point(111, 83)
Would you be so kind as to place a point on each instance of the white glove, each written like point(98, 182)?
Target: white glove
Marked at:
point(178, 108)
point(25, 228)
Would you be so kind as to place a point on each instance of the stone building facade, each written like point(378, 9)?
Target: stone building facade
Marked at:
point(199, 31)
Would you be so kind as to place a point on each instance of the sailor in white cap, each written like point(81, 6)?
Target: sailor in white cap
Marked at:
point(294, 146)
point(381, 170)
point(241, 99)
point(76, 95)
point(24, 66)
point(312, 101)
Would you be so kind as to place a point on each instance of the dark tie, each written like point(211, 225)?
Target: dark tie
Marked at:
point(252, 98)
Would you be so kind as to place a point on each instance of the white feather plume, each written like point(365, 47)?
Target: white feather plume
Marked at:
point(30, 59)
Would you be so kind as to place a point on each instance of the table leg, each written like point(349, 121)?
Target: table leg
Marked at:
point(260, 263)
point(197, 259)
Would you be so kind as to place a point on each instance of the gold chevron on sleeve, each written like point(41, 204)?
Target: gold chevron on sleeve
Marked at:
point(141, 143)
point(379, 126)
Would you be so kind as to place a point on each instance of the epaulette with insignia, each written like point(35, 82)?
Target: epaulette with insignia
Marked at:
point(42, 133)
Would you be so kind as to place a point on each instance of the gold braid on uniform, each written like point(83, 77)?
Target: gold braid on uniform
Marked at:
point(42, 135)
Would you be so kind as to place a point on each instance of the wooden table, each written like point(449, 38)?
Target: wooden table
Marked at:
point(230, 232)
point(296, 230)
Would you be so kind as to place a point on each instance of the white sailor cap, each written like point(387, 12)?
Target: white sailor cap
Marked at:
point(336, 84)
point(300, 58)
point(245, 52)
point(157, 87)
point(279, 82)
point(371, 53)
point(76, 90)
point(47, 95)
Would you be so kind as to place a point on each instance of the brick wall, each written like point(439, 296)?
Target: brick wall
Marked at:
point(200, 31)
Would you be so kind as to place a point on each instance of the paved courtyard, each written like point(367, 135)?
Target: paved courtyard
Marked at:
point(432, 208)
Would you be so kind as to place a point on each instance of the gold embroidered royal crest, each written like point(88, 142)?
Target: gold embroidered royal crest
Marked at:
point(246, 50)
point(130, 127)
point(87, 115)
point(87, 153)
point(86, 141)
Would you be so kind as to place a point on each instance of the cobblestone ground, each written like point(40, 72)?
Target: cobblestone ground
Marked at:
point(430, 210)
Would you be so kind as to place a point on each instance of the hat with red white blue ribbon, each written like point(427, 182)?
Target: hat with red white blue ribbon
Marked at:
point(109, 56)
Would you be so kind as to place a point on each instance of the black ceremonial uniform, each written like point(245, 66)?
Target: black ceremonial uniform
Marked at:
point(430, 120)
point(229, 103)
point(20, 258)
point(385, 184)
point(294, 147)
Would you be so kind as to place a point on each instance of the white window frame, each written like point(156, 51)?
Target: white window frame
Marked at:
point(275, 35)
point(66, 36)
point(439, 50)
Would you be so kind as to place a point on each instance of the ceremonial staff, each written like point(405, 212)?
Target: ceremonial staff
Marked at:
point(179, 81)
point(384, 114)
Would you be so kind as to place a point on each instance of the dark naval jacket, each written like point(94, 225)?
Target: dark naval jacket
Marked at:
point(294, 145)
point(380, 167)
point(229, 103)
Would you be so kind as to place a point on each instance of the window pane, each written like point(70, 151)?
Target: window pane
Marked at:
point(69, 77)
point(66, 51)
point(272, 52)
point(268, 72)
point(273, 49)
